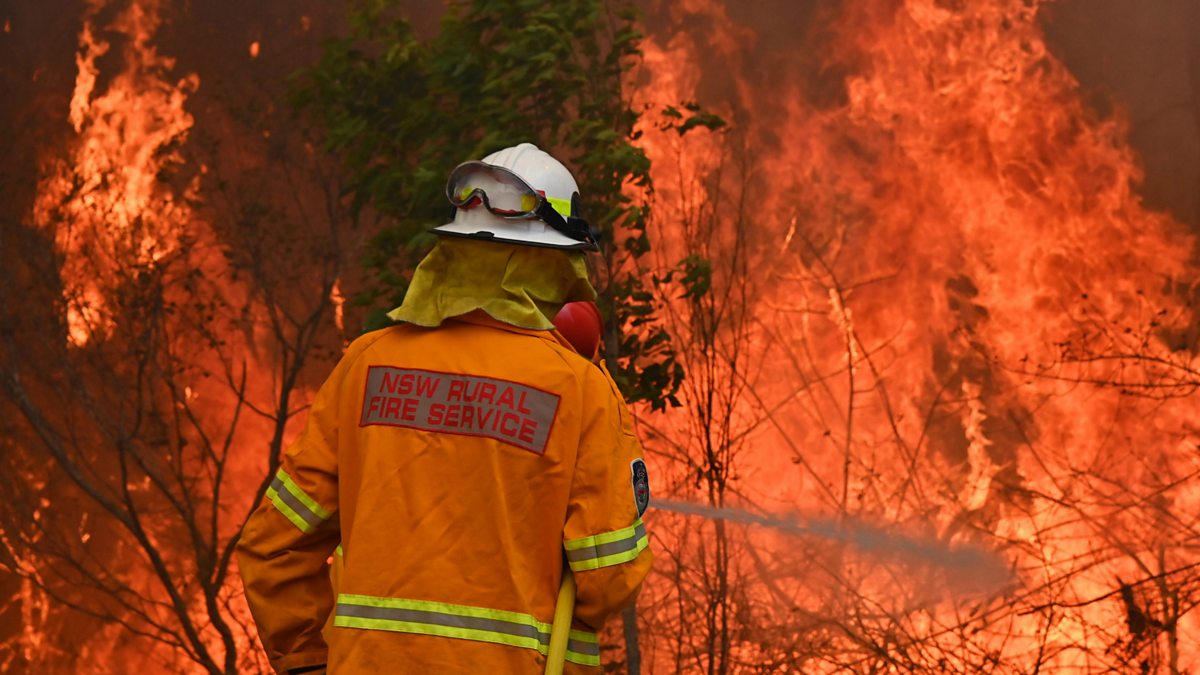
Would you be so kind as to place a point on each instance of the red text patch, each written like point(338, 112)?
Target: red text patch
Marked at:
point(460, 404)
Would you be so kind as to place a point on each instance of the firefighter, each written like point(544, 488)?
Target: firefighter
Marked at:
point(457, 458)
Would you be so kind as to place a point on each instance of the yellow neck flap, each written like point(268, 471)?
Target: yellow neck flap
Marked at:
point(523, 286)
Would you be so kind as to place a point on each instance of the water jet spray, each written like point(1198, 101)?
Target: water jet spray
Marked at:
point(973, 567)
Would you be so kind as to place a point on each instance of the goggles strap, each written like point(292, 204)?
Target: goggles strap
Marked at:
point(575, 228)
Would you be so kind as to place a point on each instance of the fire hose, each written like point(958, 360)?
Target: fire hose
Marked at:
point(579, 323)
point(560, 631)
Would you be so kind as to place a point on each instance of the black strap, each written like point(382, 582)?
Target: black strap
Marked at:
point(575, 228)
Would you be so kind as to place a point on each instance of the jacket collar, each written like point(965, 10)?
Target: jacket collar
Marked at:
point(480, 318)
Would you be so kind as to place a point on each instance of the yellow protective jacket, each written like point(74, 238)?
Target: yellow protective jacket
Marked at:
point(456, 467)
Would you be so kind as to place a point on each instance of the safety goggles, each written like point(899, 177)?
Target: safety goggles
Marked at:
point(507, 195)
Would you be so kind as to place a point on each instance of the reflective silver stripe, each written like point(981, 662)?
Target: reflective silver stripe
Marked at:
point(603, 550)
point(581, 647)
point(279, 490)
point(443, 619)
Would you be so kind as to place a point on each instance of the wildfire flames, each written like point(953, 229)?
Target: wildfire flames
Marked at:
point(963, 321)
point(108, 194)
point(937, 305)
point(161, 425)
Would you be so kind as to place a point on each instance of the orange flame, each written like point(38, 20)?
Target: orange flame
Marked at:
point(965, 313)
point(110, 209)
point(126, 135)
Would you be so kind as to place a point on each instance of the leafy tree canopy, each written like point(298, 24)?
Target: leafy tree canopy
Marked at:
point(401, 111)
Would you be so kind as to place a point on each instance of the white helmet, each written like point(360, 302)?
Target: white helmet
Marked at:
point(518, 195)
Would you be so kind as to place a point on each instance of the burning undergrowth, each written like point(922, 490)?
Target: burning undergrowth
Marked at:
point(937, 302)
point(923, 295)
point(154, 369)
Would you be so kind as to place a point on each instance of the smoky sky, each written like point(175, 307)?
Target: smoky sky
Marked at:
point(1136, 59)
point(1142, 58)
point(1139, 59)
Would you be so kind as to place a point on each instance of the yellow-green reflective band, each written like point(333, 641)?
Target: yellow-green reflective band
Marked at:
point(609, 548)
point(286, 510)
point(583, 648)
point(294, 504)
point(301, 495)
point(563, 206)
point(582, 659)
point(604, 537)
point(459, 621)
point(338, 551)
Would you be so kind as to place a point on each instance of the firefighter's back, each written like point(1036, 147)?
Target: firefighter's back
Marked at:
point(453, 491)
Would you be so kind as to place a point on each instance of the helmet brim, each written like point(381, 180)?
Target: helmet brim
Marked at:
point(547, 239)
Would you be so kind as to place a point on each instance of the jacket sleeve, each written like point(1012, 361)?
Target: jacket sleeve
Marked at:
point(604, 539)
point(285, 546)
